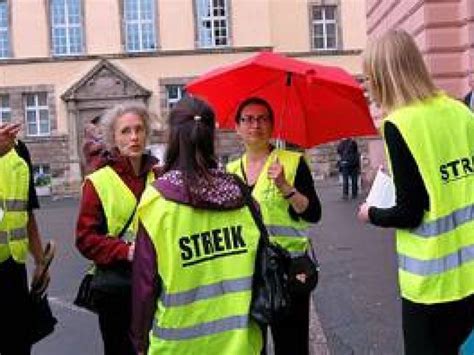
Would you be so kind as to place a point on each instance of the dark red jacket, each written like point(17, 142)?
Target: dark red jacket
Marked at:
point(91, 227)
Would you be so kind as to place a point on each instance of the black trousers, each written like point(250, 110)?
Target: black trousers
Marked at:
point(353, 175)
point(291, 334)
point(437, 329)
point(14, 304)
point(114, 321)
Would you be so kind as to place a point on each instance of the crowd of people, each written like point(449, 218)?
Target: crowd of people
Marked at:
point(173, 261)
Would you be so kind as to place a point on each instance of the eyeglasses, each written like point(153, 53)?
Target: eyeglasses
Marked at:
point(254, 119)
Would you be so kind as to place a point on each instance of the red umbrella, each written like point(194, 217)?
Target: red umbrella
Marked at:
point(313, 103)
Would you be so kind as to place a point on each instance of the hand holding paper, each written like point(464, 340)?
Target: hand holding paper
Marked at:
point(382, 192)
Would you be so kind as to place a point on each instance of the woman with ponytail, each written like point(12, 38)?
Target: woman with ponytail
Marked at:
point(195, 250)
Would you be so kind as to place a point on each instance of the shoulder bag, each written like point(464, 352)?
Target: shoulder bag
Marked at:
point(270, 291)
point(115, 279)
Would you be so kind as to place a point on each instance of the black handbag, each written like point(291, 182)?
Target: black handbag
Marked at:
point(42, 319)
point(112, 280)
point(84, 298)
point(105, 280)
point(270, 292)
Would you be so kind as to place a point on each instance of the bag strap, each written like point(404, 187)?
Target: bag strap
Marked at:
point(129, 221)
point(249, 202)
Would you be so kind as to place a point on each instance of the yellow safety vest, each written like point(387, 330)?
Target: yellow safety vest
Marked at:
point(291, 234)
point(14, 185)
point(117, 201)
point(436, 259)
point(206, 262)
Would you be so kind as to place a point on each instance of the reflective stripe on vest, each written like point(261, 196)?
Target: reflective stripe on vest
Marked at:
point(15, 234)
point(436, 266)
point(14, 205)
point(287, 231)
point(202, 329)
point(436, 259)
point(207, 291)
point(445, 224)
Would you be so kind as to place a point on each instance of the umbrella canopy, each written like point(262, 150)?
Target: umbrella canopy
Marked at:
point(313, 104)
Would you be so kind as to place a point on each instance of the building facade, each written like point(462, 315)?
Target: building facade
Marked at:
point(62, 62)
point(443, 30)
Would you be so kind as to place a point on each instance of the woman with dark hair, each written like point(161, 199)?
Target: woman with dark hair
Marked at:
point(195, 250)
point(282, 184)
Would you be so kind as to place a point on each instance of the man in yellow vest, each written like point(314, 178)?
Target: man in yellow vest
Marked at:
point(18, 234)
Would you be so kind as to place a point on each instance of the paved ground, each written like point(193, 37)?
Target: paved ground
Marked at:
point(356, 304)
point(357, 298)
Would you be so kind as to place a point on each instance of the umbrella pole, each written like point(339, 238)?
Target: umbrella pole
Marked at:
point(279, 143)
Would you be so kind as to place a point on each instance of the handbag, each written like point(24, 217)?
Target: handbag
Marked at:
point(270, 293)
point(84, 298)
point(114, 279)
point(42, 319)
point(110, 279)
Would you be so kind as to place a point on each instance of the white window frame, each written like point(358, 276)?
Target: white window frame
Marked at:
point(324, 22)
point(67, 26)
point(202, 32)
point(171, 101)
point(37, 108)
point(5, 31)
point(140, 22)
point(5, 109)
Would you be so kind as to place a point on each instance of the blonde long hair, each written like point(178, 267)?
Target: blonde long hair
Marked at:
point(396, 71)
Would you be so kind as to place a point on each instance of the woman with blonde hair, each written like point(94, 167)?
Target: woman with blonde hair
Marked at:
point(104, 228)
point(428, 137)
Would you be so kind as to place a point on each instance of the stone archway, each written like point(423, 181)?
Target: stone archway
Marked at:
point(103, 87)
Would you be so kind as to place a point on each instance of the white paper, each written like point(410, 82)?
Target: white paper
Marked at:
point(382, 192)
point(1, 214)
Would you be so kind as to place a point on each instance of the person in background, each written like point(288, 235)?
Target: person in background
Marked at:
point(195, 251)
point(94, 149)
point(18, 234)
point(108, 204)
point(428, 137)
point(282, 184)
point(349, 166)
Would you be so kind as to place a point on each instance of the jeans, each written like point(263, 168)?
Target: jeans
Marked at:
point(353, 174)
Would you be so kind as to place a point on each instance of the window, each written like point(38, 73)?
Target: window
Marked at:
point(174, 93)
point(212, 23)
point(324, 27)
point(37, 115)
point(139, 24)
point(66, 27)
point(4, 33)
point(5, 112)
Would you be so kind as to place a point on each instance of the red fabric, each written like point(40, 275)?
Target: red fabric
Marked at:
point(91, 224)
point(313, 104)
